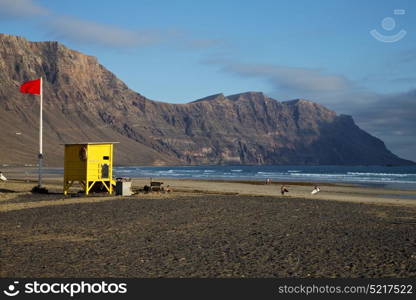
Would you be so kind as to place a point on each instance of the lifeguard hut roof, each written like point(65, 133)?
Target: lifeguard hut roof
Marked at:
point(92, 143)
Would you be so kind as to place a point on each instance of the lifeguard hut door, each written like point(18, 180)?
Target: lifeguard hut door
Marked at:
point(89, 164)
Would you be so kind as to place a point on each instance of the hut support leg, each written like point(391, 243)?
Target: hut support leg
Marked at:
point(67, 185)
point(88, 187)
point(65, 188)
point(107, 187)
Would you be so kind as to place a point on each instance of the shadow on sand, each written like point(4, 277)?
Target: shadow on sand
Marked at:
point(7, 191)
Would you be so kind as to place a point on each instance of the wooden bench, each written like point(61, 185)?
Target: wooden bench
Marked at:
point(156, 186)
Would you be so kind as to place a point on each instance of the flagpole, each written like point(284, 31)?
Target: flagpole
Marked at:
point(40, 133)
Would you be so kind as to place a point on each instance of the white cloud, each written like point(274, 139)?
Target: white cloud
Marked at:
point(82, 31)
point(291, 78)
point(21, 8)
point(205, 43)
point(68, 28)
point(73, 29)
point(290, 82)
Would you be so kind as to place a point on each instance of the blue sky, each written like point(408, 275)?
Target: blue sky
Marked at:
point(179, 51)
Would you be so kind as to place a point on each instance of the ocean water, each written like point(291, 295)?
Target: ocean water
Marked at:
point(389, 177)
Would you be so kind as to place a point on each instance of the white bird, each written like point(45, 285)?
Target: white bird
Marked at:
point(2, 177)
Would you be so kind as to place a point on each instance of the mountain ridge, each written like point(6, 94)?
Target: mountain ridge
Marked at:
point(85, 101)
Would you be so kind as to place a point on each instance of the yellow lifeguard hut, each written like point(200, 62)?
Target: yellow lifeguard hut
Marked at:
point(89, 164)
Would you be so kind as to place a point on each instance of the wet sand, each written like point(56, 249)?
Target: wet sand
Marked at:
point(207, 229)
point(329, 191)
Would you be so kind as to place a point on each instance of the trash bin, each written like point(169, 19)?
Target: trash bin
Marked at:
point(123, 187)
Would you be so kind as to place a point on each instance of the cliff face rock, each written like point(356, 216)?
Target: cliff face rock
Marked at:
point(83, 101)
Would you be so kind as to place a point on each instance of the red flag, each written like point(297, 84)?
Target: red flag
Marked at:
point(31, 87)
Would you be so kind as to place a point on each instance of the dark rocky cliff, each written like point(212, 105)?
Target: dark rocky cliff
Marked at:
point(85, 102)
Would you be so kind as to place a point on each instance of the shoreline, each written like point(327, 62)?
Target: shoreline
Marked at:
point(21, 184)
point(54, 172)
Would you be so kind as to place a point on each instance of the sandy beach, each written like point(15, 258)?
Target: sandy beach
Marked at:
point(207, 229)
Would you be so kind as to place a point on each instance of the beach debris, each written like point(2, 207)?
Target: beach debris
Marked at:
point(2, 177)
